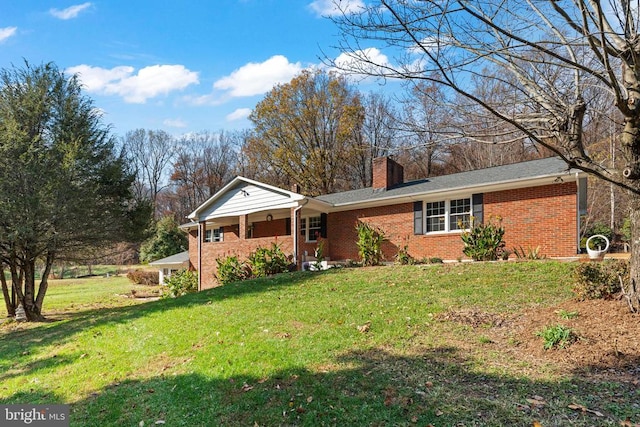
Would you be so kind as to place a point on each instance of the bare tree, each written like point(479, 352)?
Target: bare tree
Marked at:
point(375, 138)
point(546, 52)
point(151, 153)
point(204, 163)
point(426, 128)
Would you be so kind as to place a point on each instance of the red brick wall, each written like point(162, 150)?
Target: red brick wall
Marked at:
point(277, 227)
point(542, 216)
point(232, 245)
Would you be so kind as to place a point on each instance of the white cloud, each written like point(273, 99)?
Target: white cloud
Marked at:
point(95, 79)
point(239, 114)
point(366, 61)
point(70, 12)
point(149, 82)
point(7, 32)
point(175, 123)
point(257, 78)
point(336, 7)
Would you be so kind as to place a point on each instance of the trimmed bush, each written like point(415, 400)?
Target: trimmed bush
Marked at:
point(600, 280)
point(142, 277)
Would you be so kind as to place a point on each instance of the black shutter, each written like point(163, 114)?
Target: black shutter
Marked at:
point(478, 208)
point(417, 218)
point(323, 225)
point(287, 226)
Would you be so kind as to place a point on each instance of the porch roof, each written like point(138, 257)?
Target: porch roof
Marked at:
point(244, 196)
point(175, 260)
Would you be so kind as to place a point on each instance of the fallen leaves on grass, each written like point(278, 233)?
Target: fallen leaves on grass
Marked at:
point(584, 409)
point(364, 328)
point(537, 402)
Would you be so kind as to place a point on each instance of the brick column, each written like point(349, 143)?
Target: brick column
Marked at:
point(244, 224)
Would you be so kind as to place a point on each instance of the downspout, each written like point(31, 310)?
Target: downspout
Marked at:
point(199, 256)
point(578, 214)
point(295, 230)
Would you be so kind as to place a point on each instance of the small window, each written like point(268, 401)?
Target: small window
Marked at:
point(311, 228)
point(213, 235)
point(315, 225)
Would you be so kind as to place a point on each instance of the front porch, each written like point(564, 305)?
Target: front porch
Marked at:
point(246, 215)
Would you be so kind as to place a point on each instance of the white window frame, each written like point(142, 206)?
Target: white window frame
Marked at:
point(447, 216)
point(305, 230)
point(213, 235)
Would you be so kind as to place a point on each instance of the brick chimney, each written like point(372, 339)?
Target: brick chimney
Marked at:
point(386, 173)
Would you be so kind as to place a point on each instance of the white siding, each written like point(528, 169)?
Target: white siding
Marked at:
point(245, 198)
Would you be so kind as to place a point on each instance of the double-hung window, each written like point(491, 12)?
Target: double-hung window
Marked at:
point(311, 228)
point(213, 235)
point(447, 215)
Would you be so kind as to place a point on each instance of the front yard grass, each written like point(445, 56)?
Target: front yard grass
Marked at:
point(360, 347)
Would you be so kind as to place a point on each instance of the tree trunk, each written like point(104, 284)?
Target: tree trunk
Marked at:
point(9, 302)
point(44, 281)
point(632, 291)
point(31, 309)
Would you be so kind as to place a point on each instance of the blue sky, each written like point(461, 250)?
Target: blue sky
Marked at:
point(181, 66)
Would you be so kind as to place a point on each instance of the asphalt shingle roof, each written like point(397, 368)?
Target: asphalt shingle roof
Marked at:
point(494, 175)
point(178, 258)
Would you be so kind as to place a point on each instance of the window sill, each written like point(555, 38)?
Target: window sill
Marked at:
point(443, 233)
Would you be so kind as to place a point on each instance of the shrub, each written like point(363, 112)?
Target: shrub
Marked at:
point(601, 280)
point(260, 263)
point(403, 257)
point(530, 253)
point(369, 243)
point(143, 277)
point(181, 283)
point(231, 269)
point(265, 261)
point(557, 336)
point(483, 242)
point(597, 228)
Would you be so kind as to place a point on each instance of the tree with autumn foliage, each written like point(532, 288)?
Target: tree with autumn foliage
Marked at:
point(306, 130)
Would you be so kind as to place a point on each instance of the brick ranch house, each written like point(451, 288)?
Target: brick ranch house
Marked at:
point(539, 202)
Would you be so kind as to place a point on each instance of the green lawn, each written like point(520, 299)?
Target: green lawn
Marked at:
point(349, 347)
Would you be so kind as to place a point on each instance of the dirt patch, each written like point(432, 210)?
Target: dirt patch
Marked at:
point(473, 318)
point(608, 345)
